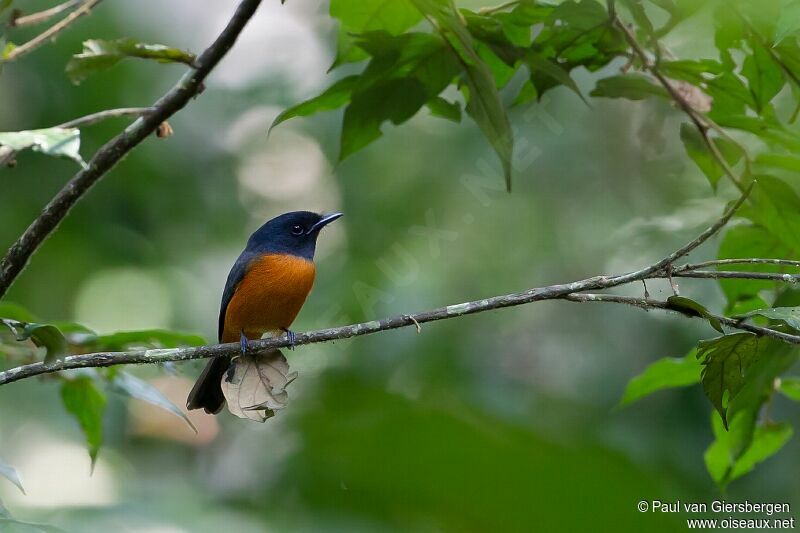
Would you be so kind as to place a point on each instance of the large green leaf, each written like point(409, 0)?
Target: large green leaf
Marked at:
point(630, 86)
point(666, 373)
point(776, 207)
point(789, 21)
point(98, 55)
point(764, 75)
point(86, 403)
point(392, 16)
point(701, 154)
point(749, 241)
point(334, 97)
point(725, 361)
point(743, 443)
point(789, 315)
point(61, 142)
point(130, 385)
point(723, 463)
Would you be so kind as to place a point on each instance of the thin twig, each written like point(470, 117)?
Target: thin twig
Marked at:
point(727, 274)
point(699, 120)
point(747, 261)
point(189, 86)
point(50, 32)
point(7, 154)
point(100, 116)
point(42, 16)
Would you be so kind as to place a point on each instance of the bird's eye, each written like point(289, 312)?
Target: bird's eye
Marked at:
point(297, 230)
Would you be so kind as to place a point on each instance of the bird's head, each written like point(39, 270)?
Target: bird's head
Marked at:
point(292, 233)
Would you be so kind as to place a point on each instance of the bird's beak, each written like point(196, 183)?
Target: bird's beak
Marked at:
point(324, 221)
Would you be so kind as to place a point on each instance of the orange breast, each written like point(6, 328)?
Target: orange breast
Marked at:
point(269, 296)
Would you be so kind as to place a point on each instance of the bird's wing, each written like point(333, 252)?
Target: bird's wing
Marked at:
point(235, 277)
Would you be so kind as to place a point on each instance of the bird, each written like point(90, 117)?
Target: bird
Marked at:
point(265, 289)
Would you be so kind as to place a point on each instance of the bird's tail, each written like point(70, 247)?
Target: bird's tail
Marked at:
point(207, 392)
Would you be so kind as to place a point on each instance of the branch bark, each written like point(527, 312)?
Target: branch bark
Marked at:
point(42, 16)
point(110, 154)
point(553, 292)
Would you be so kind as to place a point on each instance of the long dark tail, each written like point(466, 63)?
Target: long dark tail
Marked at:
point(207, 392)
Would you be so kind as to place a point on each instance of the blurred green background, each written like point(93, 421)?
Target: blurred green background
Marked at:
point(497, 421)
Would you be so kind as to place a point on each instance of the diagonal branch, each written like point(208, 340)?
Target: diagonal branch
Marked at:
point(50, 32)
point(701, 122)
point(110, 154)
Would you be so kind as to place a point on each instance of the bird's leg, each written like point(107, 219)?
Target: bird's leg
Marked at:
point(243, 348)
point(292, 336)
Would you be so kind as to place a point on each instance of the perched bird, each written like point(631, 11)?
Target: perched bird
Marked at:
point(266, 288)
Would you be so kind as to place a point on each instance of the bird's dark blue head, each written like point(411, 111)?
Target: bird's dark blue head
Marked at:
point(292, 233)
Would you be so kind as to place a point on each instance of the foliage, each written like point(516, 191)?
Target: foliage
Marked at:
point(403, 55)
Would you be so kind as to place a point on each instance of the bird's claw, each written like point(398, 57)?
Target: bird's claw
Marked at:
point(243, 342)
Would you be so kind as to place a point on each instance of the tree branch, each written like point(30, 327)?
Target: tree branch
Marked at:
point(42, 16)
point(553, 292)
point(752, 260)
point(700, 121)
point(50, 32)
point(7, 154)
point(109, 155)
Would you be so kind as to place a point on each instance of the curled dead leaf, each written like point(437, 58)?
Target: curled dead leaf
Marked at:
point(164, 130)
point(257, 386)
point(693, 95)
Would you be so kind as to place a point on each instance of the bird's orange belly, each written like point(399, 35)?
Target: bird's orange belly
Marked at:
point(269, 297)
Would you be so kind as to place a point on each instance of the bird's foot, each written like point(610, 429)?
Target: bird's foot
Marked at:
point(292, 336)
point(243, 342)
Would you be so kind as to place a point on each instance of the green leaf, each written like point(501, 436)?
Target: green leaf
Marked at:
point(483, 100)
point(334, 97)
point(789, 315)
point(725, 361)
point(392, 16)
point(440, 107)
point(5, 4)
point(42, 335)
point(781, 161)
point(16, 312)
point(11, 474)
point(722, 462)
point(764, 76)
point(789, 21)
point(695, 72)
point(749, 241)
point(697, 149)
point(146, 338)
point(130, 385)
point(689, 307)
point(7, 49)
point(667, 373)
point(772, 359)
point(99, 55)
point(630, 86)
point(539, 66)
point(776, 207)
point(86, 403)
point(396, 100)
point(790, 387)
point(61, 142)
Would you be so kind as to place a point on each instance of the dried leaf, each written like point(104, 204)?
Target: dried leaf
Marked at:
point(257, 386)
